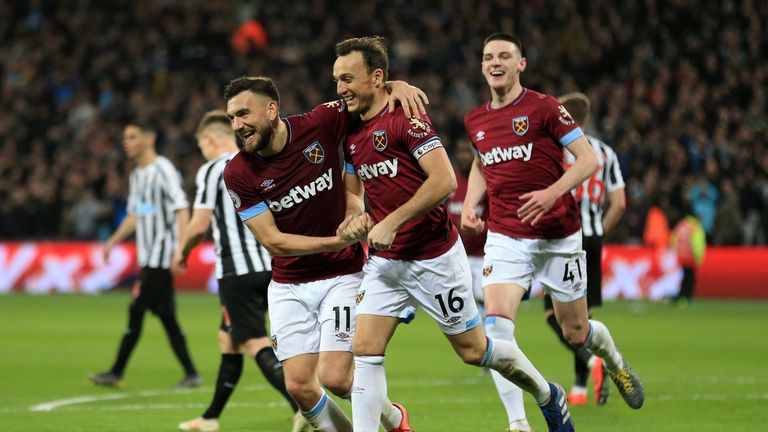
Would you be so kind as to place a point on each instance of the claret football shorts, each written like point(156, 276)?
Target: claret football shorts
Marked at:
point(559, 264)
point(314, 316)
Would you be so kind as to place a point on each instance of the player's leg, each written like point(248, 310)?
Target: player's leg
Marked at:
point(583, 359)
point(369, 395)
point(136, 310)
point(381, 302)
point(230, 370)
point(295, 326)
point(562, 270)
point(162, 302)
point(444, 291)
point(245, 301)
point(500, 326)
point(593, 246)
point(507, 275)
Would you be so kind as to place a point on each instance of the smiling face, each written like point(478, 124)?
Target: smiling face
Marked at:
point(502, 64)
point(355, 84)
point(252, 118)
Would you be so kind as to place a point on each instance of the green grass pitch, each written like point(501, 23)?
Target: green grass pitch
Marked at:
point(704, 369)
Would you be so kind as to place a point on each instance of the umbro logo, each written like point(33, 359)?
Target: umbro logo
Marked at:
point(267, 184)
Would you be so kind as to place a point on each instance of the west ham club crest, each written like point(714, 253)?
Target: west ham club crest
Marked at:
point(520, 125)
point(314, 153)
point(380, 140)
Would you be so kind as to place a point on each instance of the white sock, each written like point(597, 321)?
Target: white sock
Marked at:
point(391, 417)
point(369, 393)
point(511, 395)
point(600, 343)
point(327, 416)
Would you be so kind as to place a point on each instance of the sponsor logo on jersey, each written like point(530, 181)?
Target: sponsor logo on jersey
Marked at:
point(301, 193)
point(360, 296)
point(314, 153)
point(520, 125)
point(235, 198)
point(503, 154)
point(480, 135)
point(419, 128)
point(352, 149)
point(267, 184)
point(379, 139)
point(371, 171)
point(565, 117)
point(144, 208)
point(487, 270)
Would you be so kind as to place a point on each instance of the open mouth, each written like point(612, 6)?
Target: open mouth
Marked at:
point(248, 135)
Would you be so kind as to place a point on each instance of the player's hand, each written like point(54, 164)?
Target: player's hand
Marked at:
point(537, 204)
point(106, 251)
point(471, 222)
point(381, 236)
point(355, 227)
point(412, 99)
point(179, 264)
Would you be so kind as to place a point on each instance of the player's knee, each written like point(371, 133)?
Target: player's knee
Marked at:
point(365, 347)
point(576, 333)
point(302, 392)
point(338, 384)
point(471, 355)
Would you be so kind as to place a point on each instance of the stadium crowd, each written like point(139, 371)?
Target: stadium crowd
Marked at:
point(678, 89)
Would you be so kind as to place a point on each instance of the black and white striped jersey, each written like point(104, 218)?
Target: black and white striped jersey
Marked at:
point(237, 251)
point(590, 195)
point(154, 196)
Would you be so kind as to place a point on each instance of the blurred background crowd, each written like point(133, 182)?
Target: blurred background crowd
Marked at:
point(678, 90)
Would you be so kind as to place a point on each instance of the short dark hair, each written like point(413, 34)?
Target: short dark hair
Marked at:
point(505, 37)
point(372, 48)
point(260, 85)
point(577, 104)
point(144, 126)
point(215, 119)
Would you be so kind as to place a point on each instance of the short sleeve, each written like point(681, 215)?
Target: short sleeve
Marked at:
point(206, 185)
point(558, 122)
point(614, 178)
point(418, 134)
point(176, 197)
point(334, 115)
point(247, 202)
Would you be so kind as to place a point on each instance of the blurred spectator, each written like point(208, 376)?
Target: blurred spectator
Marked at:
point(728, 221)
point(679, 86)
point(690, 244)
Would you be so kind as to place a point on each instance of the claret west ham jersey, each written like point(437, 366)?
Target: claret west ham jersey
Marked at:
point(384, 152)
point(303, 188)
point(521, 150)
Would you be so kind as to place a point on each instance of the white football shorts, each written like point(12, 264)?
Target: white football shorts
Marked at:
point(440, 285)
point(559, 264)
point(314, 316)
point(476, 270)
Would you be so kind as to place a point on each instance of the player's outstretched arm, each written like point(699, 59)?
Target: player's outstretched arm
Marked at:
point(440, 182)
point(192, 236)
point(412, 99)
point(279, 243)
point(476, 187)
point(538, 203)
point(126, 228)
